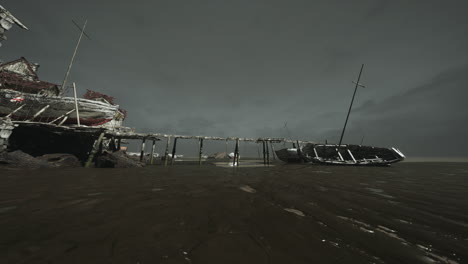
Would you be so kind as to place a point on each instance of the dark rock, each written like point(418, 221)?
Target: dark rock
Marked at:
point(61, 160)
point(118, 159)
point(19, 159)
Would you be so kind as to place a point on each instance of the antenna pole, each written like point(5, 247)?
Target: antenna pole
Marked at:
point(73, 57)
point(351, 105)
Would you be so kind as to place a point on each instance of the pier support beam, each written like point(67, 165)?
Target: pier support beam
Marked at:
point(264, 153)
point(200, 153)
point(142, 150)
point(153, 147)
point(174, 151)
point(96, 145)
point(273, 151)
point(267, 153)
point(166, 153)
point(235, 161)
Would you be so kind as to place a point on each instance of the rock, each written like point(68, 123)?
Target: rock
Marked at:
point(19, 159)
point(61, 160)
point(118, 159)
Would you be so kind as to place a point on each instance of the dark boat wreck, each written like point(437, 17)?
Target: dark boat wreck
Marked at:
point(345, 155)
point(23, 96)
point(37, 120)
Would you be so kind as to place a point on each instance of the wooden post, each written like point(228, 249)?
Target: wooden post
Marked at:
point(39, 112)
point(299, 151)
point(264, 153)
point(200, 153)
point(237, 154)
point(66, 114)
point(119, 141)
point(227, 154)
point(152, 151)
point(94, 150)
point(142, 150)
point(63, 121)
point(76, 106)
point(258, 150)
point(16, 110)
point(273, 151)
point(166, 154)
point(174, 151)
point(268, 153)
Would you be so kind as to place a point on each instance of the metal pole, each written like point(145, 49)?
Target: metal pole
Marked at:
point(76, 105)
point(73, 57)
point(351, 105)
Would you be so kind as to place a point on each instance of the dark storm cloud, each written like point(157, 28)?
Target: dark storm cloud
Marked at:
point(243, 68)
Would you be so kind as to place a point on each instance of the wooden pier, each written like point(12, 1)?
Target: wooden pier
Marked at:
point(116, 135)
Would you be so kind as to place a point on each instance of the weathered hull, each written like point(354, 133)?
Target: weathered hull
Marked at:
point(92, 113)
point(288, 155)
point(345, 155)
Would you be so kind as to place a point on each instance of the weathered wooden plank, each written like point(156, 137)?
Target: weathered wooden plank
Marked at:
point(95, 149)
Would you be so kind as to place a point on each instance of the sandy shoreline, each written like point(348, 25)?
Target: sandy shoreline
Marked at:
point(408, 213)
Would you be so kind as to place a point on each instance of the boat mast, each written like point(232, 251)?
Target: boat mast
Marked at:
point(351, 105)
point(74, 54)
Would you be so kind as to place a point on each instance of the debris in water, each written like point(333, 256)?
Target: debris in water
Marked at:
point(294, 211)
point(248, 189)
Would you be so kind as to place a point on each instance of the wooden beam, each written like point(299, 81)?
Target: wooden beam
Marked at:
point(166, 153)
point(16, 110)
point(237, 154)
point(153, 147)
point(174, 151)
point(76, 106)
point(39, 112)
point(60, 117)
point(142, 150)
point(273, 151)
point(94, 150)
point(236, 149)
point(267, 153)
point(200, 153)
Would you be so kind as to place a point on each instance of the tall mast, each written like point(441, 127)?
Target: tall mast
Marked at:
point(74, 55)
point(351, 105)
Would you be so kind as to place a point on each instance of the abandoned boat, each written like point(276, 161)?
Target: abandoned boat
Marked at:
point(23, 97)
point(347, 155)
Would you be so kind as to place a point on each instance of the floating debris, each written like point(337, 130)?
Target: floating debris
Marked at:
point(248, 189)
point(294, 211)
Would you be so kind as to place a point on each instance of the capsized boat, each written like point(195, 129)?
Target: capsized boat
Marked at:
point(346, 155)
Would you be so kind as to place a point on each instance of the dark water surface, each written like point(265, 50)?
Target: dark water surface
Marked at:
point(408, 213)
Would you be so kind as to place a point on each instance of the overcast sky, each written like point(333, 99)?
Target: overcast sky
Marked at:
point(245, 67)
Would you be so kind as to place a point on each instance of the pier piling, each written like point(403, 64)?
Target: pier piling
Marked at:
point(153, 147)
point(142, 151)
point(200, 153)
point(166, 153)
point(174, 151)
